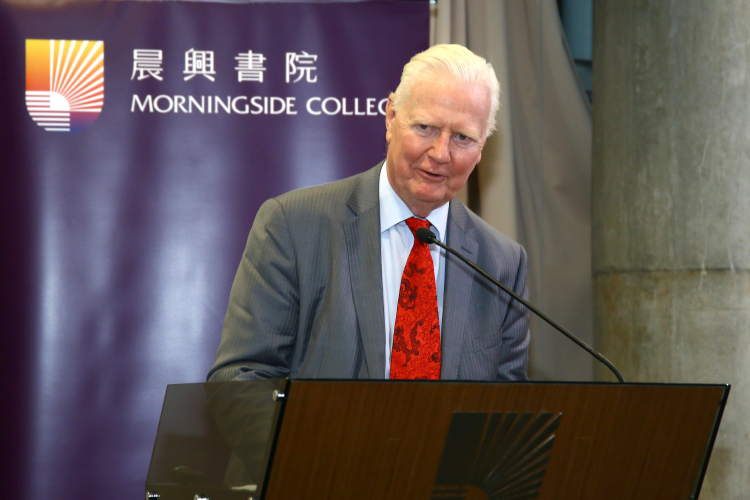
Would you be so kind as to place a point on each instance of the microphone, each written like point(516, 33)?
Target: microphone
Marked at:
point(427, 236)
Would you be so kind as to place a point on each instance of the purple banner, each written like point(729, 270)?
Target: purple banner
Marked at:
point(138, 140)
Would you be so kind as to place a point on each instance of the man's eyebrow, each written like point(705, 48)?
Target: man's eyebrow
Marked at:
point(421, 120)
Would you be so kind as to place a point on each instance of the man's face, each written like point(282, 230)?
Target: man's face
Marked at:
point(435, 140)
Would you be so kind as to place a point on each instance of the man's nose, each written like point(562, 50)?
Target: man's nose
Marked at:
point(440, 150)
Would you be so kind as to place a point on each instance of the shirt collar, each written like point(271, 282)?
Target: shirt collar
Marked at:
point(393, 210)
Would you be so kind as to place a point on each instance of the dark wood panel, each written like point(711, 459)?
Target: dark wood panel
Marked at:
point(378, 440)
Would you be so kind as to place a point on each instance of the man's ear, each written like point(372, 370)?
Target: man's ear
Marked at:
point(390, 117)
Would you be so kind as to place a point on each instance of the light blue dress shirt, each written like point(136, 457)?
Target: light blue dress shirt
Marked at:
point(396, 241)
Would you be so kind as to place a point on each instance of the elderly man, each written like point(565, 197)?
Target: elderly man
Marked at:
point(333, 283)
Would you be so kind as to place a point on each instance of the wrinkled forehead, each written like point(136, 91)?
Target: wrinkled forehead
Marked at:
point(443, 96)
point(438, 83)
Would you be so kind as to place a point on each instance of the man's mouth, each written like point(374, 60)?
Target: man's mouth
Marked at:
point(431, 176)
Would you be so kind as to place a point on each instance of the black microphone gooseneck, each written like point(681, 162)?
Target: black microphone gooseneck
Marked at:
point(427, 236)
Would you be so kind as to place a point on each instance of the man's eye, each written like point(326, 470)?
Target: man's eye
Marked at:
point(462, 137)
point(424, 127)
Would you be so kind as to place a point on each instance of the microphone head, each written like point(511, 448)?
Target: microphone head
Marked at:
point(425, 235)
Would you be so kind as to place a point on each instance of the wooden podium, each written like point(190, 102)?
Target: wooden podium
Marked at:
point(343, 440)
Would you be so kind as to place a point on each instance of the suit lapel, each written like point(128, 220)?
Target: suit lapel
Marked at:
point(458, 280)
point(362, 234)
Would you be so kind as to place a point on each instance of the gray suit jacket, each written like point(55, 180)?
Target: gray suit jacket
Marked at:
point(307, 300)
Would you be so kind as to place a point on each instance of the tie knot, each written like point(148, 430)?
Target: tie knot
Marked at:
point(415, 224)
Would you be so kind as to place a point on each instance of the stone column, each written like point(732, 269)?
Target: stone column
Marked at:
point(671, 205)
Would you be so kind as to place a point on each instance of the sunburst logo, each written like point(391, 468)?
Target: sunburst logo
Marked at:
point(64, 83)
point(496, 456)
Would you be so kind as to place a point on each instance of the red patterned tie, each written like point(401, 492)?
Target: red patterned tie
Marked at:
point(416, 336)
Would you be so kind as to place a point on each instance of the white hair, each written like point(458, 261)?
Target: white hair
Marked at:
point(456, 61)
